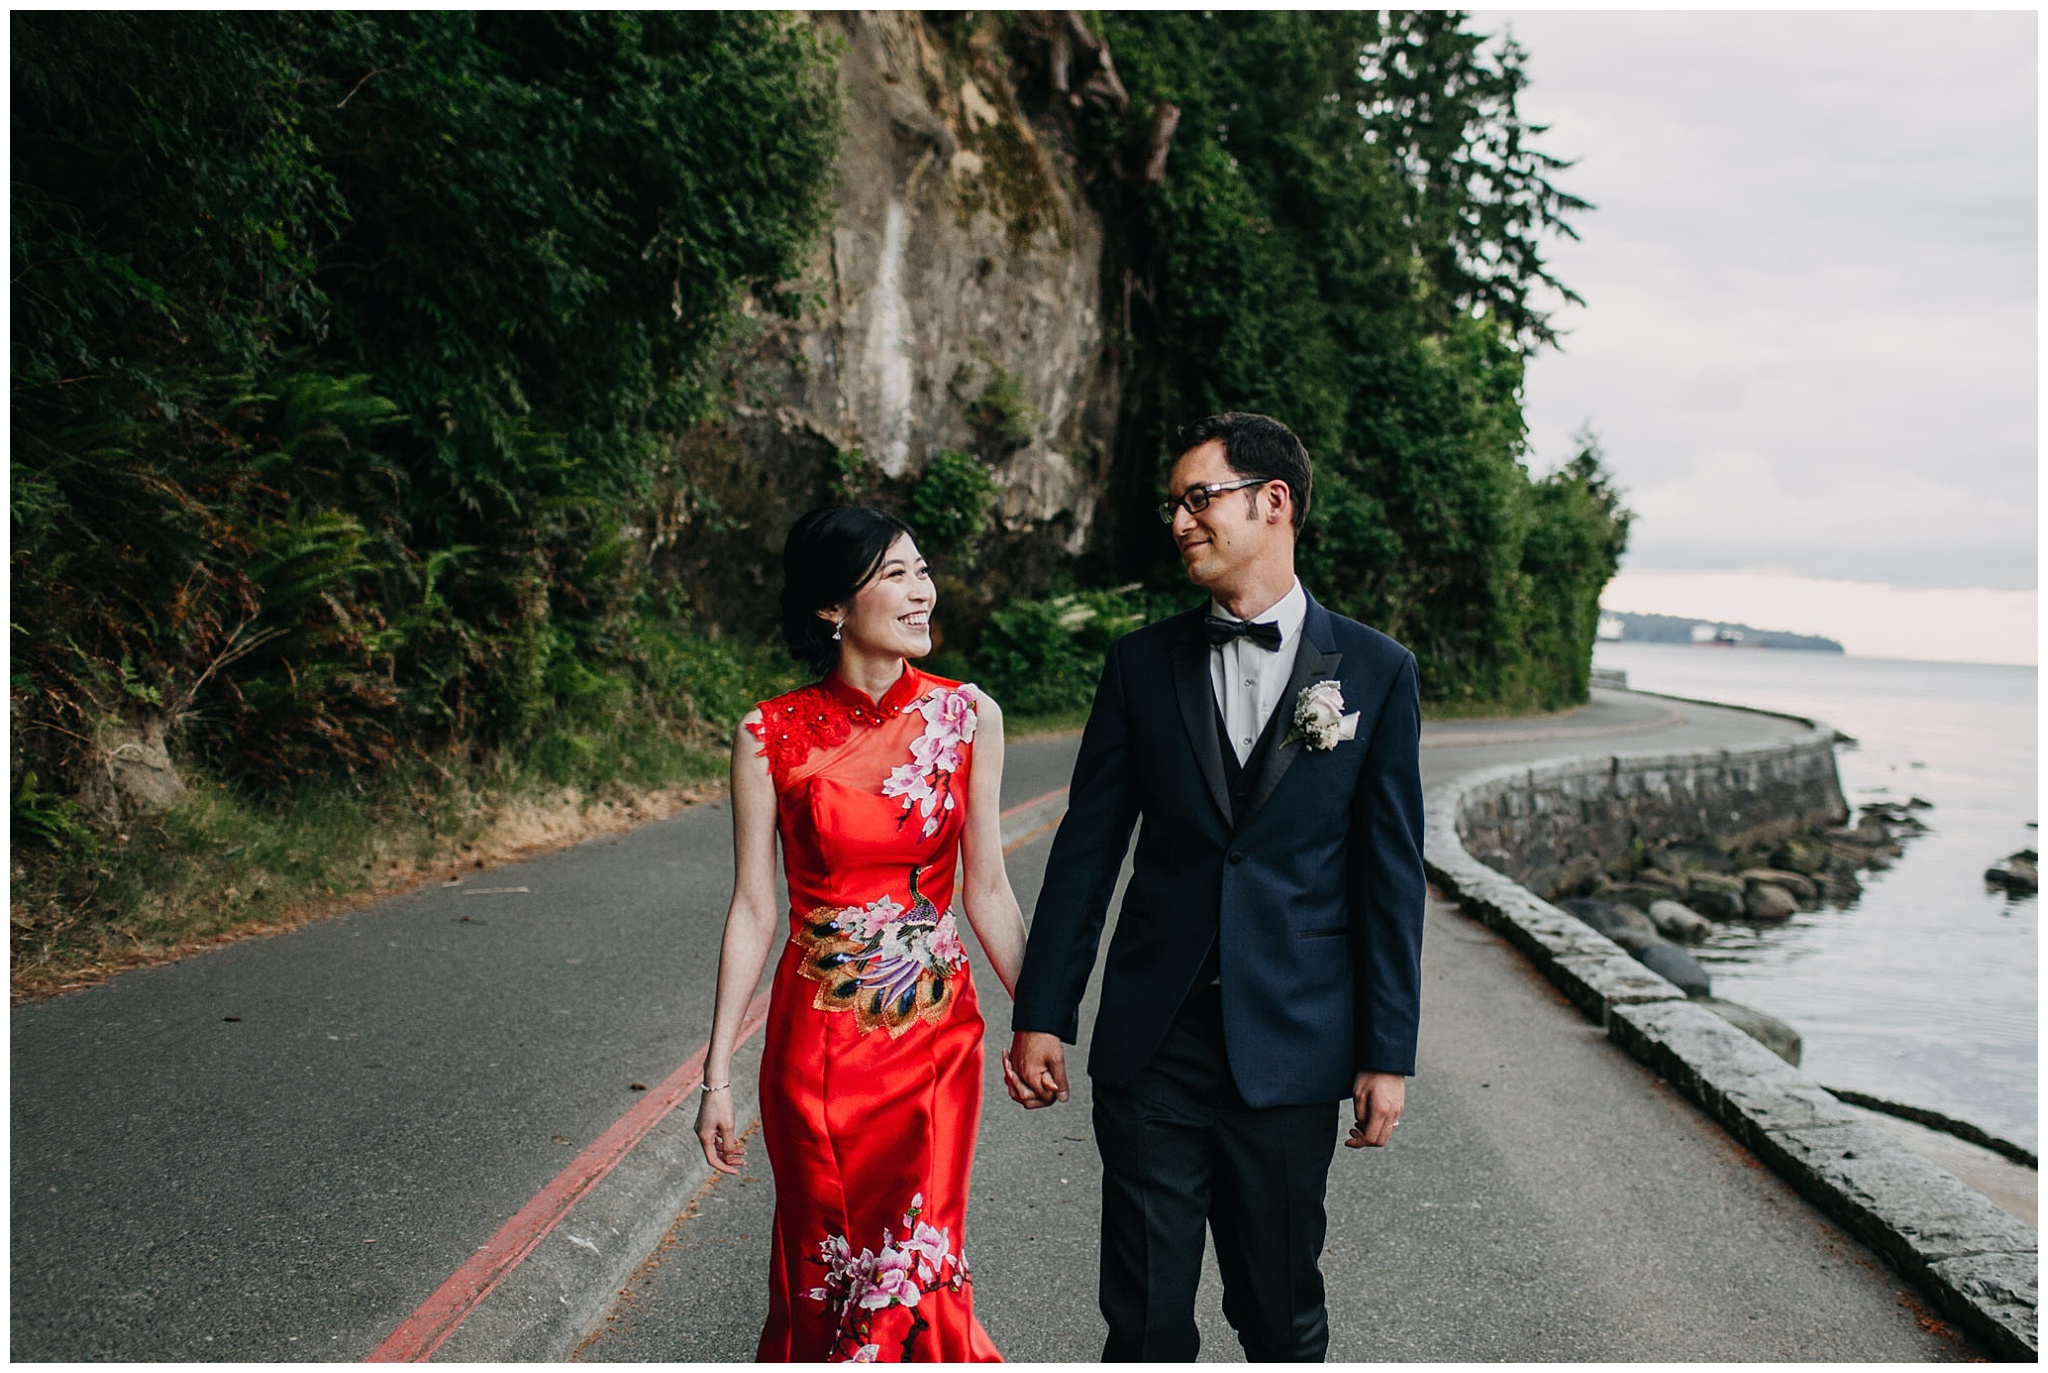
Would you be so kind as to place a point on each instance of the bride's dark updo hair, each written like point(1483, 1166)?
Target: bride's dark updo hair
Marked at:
point(830, 554)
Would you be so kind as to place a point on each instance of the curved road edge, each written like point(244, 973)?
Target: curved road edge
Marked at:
point(1980, 1265)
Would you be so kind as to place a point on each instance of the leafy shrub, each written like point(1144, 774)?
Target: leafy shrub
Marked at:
point(949, 506)
point(1044, 657)
point(700, 681)
point(1002, 416)
point(42, 817)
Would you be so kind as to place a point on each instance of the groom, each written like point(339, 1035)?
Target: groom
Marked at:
point(1266, 962)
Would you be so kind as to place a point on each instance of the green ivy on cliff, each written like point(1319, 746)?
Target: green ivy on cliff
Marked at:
point(1349, 238)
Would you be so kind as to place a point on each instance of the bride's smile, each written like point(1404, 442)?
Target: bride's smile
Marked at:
point(891, 616)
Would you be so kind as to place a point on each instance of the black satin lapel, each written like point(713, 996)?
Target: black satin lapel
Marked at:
point(1198, 711)
point(1311, 664)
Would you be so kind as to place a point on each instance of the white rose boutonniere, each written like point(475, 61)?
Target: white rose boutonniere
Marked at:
point(1319, 718)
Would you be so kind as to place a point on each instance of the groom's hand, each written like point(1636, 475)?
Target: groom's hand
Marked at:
point(1376, 1102)
point(1035, 1069)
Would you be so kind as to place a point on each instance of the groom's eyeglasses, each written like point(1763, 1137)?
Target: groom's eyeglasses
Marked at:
point(1197, 498)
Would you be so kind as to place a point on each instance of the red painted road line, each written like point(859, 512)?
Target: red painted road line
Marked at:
point(1021, 840)
point(1022, 806)
point(427, 1328)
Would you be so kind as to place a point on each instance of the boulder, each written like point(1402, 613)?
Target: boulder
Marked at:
point(1846, 859)
point(1801, 886)
point(1675, 966)
point(1637, 894)
point(1804, 854)
point(1767, 1030)
point(1678, 923)
point(1717, 905)
point(1691, 856)
point(1893, 815)
point(2019, 873)
point(139, 777)
point(1842, 889)
point(1625, 925)
point(1715, 896)
point(1768, 902)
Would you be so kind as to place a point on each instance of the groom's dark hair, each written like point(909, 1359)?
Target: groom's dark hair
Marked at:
point(1254, 446)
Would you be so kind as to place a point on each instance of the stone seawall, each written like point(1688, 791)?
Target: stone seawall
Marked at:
point(1543, 826)
point(1551, 825)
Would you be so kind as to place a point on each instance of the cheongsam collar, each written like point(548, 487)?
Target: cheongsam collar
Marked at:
point(901, 693)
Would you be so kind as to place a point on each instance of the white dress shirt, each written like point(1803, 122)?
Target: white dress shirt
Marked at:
point(1248, 679)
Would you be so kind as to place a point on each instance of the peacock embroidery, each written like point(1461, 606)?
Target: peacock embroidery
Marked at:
point(889, 965)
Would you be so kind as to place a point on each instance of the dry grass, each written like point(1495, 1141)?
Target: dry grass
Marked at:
point(217, 868)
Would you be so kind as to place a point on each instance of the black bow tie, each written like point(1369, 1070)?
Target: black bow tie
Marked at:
point(1265, 634)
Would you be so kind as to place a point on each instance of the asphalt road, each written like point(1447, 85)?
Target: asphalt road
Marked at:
point(278, 1149)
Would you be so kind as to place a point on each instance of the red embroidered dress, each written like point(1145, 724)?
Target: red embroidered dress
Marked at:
point(871, 1067)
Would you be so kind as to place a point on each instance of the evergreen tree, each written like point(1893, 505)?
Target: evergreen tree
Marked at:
point(1348, 237)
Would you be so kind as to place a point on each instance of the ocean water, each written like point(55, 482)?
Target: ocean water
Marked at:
point(1925, 989)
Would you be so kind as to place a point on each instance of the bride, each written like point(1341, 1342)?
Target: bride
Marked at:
point(878, 778)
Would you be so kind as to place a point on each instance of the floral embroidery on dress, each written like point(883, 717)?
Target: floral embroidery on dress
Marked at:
point(926, 781)
point(811, 717)
point(887, 965)
point(902, 1274)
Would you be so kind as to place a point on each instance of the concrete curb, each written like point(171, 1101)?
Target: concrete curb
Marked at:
point(552, 1301)
point(1980, 1265)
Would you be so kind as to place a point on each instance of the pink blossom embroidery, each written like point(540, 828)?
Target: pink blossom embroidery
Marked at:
point(901, 1274)
point(945, 946)
point(926, 782)
point(868, 922)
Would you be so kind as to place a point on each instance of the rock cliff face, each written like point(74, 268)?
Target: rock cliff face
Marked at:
point(955, 304)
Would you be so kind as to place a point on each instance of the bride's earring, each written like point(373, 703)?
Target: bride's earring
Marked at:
point(836, 628)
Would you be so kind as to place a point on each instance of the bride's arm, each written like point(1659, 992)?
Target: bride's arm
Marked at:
point(991, 905)
point(750, 928)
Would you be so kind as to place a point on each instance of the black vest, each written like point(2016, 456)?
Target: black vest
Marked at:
point(1239, 777)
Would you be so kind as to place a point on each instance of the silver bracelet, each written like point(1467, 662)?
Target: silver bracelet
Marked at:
point(708, 1089)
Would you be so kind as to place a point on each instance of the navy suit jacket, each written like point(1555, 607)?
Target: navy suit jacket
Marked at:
point(1316, 894)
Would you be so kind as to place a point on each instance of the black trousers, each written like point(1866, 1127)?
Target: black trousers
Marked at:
point(1182, 1151)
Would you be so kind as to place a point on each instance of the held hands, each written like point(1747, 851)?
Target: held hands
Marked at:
point(1035, 1069)
point(717, 1132)
point(1376, 1103)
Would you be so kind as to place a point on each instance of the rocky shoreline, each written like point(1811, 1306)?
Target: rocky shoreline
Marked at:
point(1653, 901)
point(1496, 837)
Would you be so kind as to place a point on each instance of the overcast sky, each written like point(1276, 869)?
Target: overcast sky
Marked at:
point(1808, 344)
